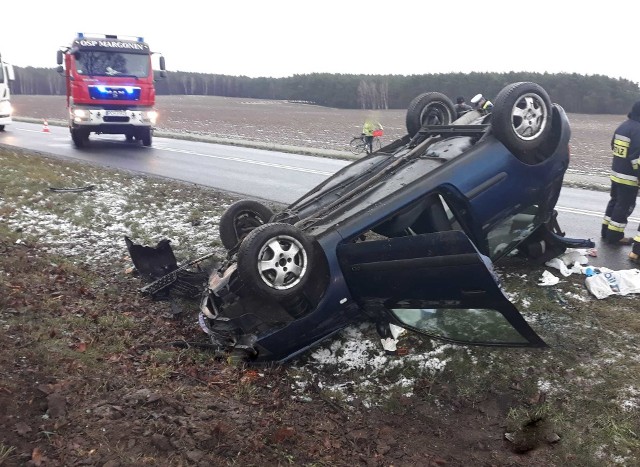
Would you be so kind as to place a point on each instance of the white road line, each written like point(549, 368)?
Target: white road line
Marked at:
point(31, 131)
point(249, 161)
point(585, 212)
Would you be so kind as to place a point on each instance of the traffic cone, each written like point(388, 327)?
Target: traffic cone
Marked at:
point(45, 129)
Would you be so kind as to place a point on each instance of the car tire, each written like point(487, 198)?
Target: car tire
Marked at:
point(275, 260)
point(427, 106)
point(241, 218)
point(521, 117)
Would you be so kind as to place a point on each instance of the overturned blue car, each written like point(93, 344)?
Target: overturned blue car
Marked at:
point(406, 235)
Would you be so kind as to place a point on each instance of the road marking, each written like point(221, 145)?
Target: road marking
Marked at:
point(590, 213)
point(248, 161)
point(32, 131)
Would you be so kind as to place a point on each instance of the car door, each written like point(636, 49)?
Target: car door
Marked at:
point(437, 284)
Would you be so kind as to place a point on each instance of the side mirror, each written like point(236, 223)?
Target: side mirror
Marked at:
point(60, 69)
point(162, 65)
point(59, 57)
point(10, 73)
point(157, 74)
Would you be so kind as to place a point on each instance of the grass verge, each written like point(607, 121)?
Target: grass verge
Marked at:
point(91, 377)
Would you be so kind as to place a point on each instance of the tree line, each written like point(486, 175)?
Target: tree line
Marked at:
point(590, 94)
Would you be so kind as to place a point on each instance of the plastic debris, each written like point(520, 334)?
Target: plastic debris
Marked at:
point(610, 282)
point(548, 279)
point(570, 262)
point(573, 255)
point(72, 190)
point(390, 343)
point(590, 271)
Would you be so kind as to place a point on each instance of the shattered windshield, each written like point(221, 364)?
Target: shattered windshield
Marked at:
point(98, 63)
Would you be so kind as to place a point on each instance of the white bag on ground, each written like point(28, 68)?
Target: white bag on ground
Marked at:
point(569, 262)
point(614, 283)
point(548, 279)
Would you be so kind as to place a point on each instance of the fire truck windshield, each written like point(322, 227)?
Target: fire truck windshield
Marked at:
point(99, 63)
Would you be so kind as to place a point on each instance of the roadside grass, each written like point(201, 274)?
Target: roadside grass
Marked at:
point(68, 308)
point(584, 387)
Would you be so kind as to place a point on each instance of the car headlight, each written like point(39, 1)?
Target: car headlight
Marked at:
point(5, 108)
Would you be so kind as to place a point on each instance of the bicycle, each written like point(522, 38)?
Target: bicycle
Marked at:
point(359, 145)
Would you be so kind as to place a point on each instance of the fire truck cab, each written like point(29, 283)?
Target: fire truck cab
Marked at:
point(110, 87)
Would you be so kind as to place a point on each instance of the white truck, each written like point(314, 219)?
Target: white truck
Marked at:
point(6, 75)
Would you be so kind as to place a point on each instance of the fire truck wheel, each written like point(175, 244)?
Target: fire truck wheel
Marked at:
point(79, 137)
point(145, 136)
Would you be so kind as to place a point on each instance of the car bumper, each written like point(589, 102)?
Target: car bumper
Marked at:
point(110, 120)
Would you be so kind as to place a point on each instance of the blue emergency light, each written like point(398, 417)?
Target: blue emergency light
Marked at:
point(104, 90)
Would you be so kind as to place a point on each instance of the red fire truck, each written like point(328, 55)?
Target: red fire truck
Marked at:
point(110, 87)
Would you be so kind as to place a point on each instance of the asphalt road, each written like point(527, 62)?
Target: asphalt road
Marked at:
point(271, 175)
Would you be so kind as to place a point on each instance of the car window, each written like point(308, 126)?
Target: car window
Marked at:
point(506, 235)
point(479, 326)
point(428, 215)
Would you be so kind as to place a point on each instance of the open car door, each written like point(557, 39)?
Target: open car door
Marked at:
point(436, 284)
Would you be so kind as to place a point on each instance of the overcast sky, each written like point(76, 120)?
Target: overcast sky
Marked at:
point(283, 38)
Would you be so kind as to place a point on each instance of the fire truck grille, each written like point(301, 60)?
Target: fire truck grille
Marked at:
point(129, 93)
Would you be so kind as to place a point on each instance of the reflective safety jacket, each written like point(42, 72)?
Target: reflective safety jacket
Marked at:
point(626, 153)
point(487, 106)
point(369, 127)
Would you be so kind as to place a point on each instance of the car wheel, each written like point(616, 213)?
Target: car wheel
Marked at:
point(521, 116)
point(430, 108)
point(1, 127)
point(241, 218)
point(275, 260)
